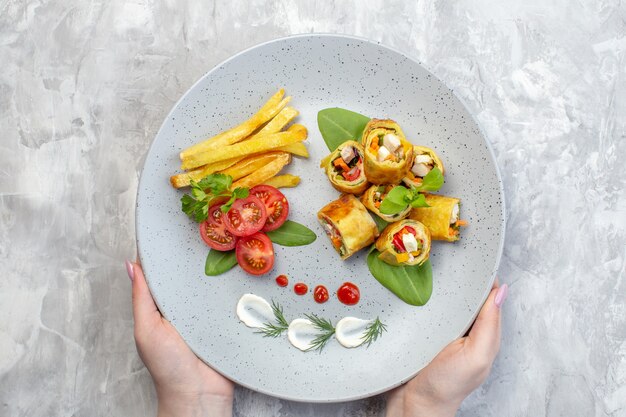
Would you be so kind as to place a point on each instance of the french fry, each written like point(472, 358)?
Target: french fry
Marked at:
point(297, 127)
point(251, 164)
point(283, 181)
point(270, 109)
point(297, 148)
point(265, 173)
point(249, 147)
point(184, 179)
point(277, 124)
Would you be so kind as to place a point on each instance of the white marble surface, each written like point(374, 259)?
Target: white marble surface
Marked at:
point(85, 85)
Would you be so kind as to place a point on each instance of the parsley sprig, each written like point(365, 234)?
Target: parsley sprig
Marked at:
point(204, 192)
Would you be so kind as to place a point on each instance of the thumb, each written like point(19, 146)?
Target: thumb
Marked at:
point(484, 338)
point(144, 309)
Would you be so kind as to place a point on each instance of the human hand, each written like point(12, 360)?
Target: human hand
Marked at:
point(460, 368)
point(185, 385)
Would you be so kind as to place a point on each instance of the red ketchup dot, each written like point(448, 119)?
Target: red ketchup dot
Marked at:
point(282, 280)
point(300, 288)
point(348, 293)
point(320, 294)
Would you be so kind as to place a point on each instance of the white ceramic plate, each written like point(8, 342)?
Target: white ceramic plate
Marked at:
point(320, 71)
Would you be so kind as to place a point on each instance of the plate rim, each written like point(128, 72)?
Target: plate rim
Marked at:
point(467, 109)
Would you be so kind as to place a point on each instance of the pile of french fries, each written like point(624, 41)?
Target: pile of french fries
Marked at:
point(253, 152)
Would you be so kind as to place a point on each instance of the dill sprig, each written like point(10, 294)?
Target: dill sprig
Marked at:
point(373, 331)
point(326, 328)
point(279, 326)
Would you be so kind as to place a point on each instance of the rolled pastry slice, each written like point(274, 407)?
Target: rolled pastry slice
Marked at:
point(344, 168)
point(441, 218)
point(388, 155)
point(373, 198)
point(424, 160)
point(348, 225)
point(406, 242)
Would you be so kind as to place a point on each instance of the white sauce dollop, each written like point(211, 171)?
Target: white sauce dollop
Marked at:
point(350, 331)
point(254, 311)
point(301, 333)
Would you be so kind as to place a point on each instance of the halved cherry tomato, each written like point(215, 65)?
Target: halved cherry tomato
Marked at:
point(246, 216)
point(255, 253)
point(353, 174)
point(214, 233)
point(276, 205)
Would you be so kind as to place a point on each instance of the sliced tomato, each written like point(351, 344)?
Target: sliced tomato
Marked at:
point(214, 233)
point(255, 253)
point(246, 216)
point(276, 205)
point(353, 174)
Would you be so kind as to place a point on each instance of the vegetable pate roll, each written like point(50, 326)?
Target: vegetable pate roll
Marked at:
point(406, 242)
point(441, 218)
point(344, 168)
point(348, 225)
point(373, 198)
point(424, 160)
point(388, 155)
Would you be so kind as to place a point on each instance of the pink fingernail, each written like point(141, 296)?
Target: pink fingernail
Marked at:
point(131, 271)
point(501, 295)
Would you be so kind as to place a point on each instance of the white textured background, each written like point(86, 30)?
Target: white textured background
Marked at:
point(84, 86)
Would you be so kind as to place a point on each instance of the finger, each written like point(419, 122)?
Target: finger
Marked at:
point(496, 284)
point(144, 309)
point(484, 338)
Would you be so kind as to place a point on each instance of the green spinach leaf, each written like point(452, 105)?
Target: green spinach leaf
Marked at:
point(292, 234)
point(432, 181)
point(395, 201)
point(412, 284)
point(218, 262)
point(339, 125)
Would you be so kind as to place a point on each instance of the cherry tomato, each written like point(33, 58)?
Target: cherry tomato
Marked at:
point(214, 233)
point(276, 205)
point(255, 253)
point(353, 174)
point(246, 216)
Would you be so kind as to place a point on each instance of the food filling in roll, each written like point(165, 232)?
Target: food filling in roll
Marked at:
point(406, 242)
point(442, 218)
point(344, 168)
point(387, 147)
point(425, 159)
point(348, 225)
point(388, 154)
point(373, 198)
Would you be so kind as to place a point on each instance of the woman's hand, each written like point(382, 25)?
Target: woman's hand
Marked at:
point(460, 368)
point(185, 385)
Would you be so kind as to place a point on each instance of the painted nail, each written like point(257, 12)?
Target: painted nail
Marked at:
point(501, 295)
point(131, 270)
